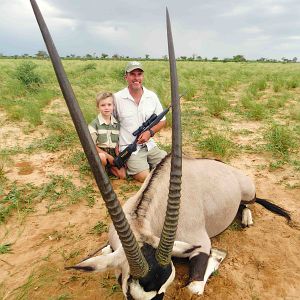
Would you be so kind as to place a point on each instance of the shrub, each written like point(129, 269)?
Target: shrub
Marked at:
point(26, 73)
point(217, 144)
point(216, 105)
point(88, 67)
point(280, 140)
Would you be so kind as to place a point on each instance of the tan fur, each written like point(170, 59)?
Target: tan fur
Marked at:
point(210, 197)
point(211, 194)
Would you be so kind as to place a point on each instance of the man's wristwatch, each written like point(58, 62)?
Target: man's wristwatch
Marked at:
point(151, 132)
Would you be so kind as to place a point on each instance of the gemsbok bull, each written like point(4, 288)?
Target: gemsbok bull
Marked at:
point(181, 205)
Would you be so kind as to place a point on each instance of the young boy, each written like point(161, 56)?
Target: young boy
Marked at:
point(105, 133)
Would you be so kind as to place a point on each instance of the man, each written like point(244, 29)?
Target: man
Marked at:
point(134, 105)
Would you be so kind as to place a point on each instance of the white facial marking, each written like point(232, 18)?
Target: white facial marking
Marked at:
point(106, 250)
point(138, 293)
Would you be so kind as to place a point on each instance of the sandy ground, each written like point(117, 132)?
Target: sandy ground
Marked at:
point(262, 261)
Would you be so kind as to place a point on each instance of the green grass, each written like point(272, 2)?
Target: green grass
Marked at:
point(58, 193)
point(217, 98)
point(99, 228)
point(216, 105)
point(263, 92)
point(5, 248)
point(218, 145)
point(61, 192)
point(56, 142)
point(27, 75)
point(280, 140)
point(19, 198)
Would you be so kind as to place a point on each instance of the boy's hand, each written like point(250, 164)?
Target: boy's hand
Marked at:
point(110, 159)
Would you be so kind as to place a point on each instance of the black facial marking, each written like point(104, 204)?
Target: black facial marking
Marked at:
point(198, 266)
point(159, 297)
point(157, 274)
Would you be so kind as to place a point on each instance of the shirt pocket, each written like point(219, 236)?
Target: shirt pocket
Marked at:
point(149, 109)
point(102, 138)
point(114, 136)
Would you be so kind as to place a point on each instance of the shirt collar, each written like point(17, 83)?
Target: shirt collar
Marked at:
point(126, 95)
point(112, 120)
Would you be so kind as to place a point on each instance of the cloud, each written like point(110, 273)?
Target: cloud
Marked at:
point(108, 31)
point(216, 28)
point(293, 37)
point(251, 30)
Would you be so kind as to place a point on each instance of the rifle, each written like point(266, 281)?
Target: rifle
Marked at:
point(123, 156)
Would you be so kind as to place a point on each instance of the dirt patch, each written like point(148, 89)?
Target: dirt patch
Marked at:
point(20, 134)
point(37, 168)
point(262, 261)
point(45, 243)
point(57, 106)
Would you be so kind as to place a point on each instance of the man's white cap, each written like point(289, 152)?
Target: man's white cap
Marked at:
point(133, 65)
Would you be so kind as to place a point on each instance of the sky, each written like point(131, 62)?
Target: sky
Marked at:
point(214, 28)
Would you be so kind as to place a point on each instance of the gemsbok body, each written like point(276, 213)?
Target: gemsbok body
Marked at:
point(211, 194)
point(181, 205)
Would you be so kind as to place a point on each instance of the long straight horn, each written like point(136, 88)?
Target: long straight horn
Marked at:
point(138, 265)
point(164, 250)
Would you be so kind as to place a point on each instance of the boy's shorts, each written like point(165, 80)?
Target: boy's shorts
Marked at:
point(140, 162)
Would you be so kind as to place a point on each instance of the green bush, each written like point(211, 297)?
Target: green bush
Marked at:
point(216, 105)
point(218, 145)
point(90, 66)
point(280, 140)
point(26, 73)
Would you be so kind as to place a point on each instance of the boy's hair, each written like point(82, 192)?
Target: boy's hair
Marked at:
point(102, 96)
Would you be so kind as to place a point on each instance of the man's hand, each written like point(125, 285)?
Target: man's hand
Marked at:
point(144, 137)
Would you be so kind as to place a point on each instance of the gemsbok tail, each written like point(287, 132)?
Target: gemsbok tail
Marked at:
point(274, 208)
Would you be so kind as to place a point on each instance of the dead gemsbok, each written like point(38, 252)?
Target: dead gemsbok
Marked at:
point(181, 205)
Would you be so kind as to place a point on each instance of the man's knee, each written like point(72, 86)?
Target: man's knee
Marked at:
point(141, 176)
point(156, 155)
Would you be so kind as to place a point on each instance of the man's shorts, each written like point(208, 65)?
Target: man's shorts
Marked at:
point(144, 160)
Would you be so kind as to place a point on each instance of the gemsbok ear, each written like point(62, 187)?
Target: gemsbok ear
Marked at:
point(102, 262)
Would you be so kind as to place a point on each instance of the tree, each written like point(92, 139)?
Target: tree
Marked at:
point(104, 55)
point(261, 59)
point(215, 58)
point(239, 58)
point(147, 56)
point(295, 59)
point(115, 56)
point(42, 54)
